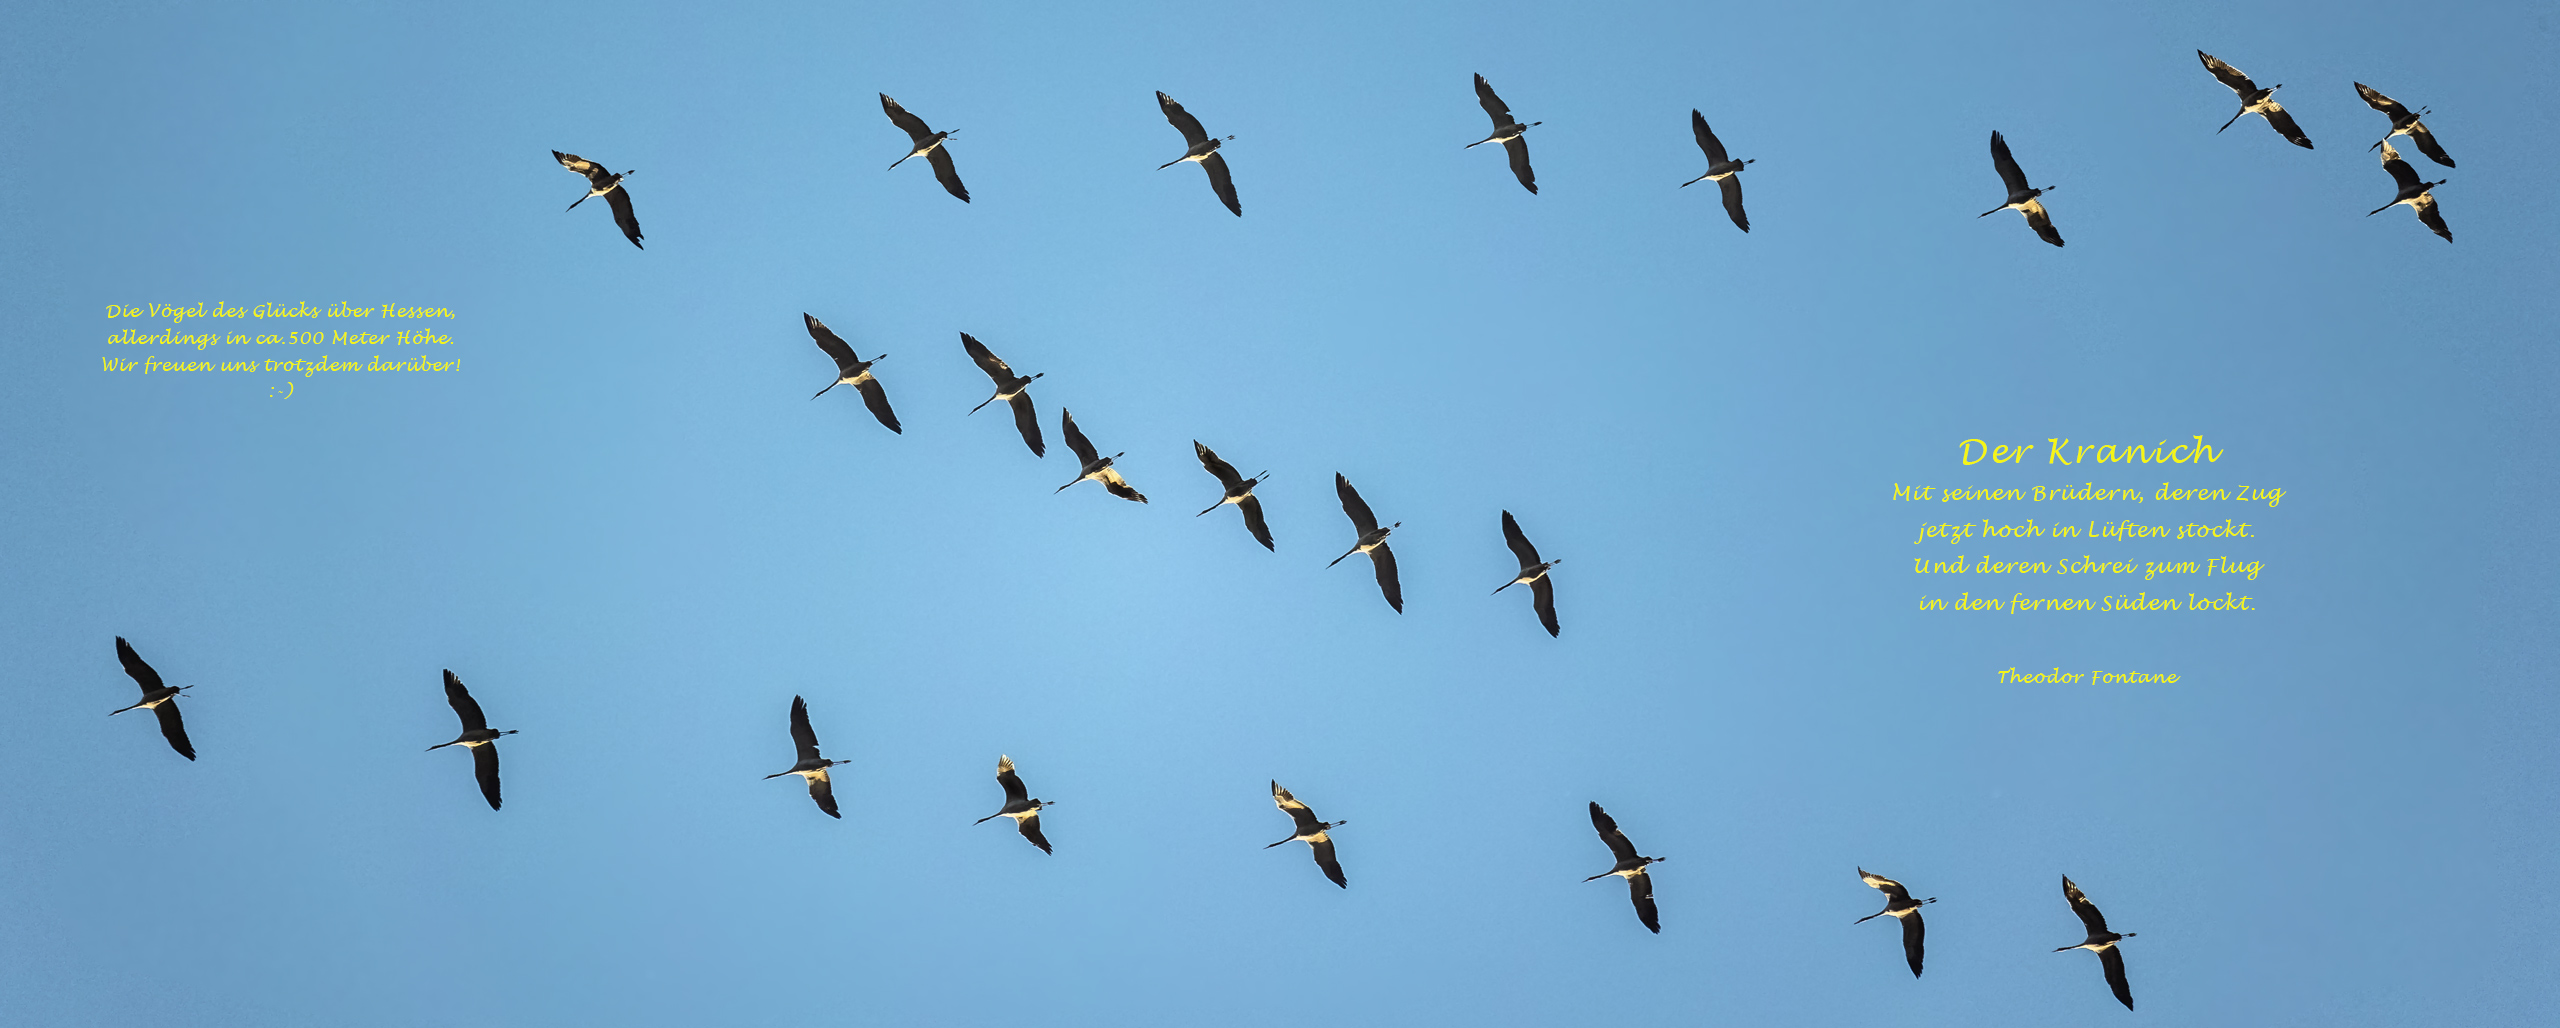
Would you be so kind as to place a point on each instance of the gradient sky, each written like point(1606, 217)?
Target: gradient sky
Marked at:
point(624, 523)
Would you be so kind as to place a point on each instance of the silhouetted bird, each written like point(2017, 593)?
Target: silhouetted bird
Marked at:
point(928, 145)
point(1533, 573)
point(1018, 805)
point(2022, 197)
point(811, 767)
point(2100, 941)
point(476, 736)
point(2254, 100)
point(1310, 831)
point(1095, 466)
point(1725, 170)
point(1630, 867)
point(2414, 191)
point(1899, 905)
point(2403, 122)
point(1507, 131)
point(1202, 148)
point(855, 372)
point(157, 697)
point(1012, 389)
point(1239, 491)
point(1372, 540)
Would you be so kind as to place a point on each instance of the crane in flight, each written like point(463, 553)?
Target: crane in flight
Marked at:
point(853, 371)
point(1202, 148)
point(811, 767)
point(1316, 834)
point(927, 144)
point(1372, 540)
point(1725, 170)
point(2100, 941)
point(158, 697)
point(476, 736)
point(2253, 100)
point(2022, 197)
point(1631, 866)
point(1507, 131)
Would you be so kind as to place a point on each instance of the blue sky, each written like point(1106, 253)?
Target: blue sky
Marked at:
point(624, 523)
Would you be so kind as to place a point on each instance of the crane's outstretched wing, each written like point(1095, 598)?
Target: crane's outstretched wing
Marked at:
point(594, 173)
point(947, 173)
point(484, 766)
point(1298, 812)
point(1192, 133)
point(1542, 595)
point(174, 728)
point(463, 704)
point(1707, 141)
point(804, 739)
point(1252, 507)
point(1323, 849)
point(2283, 121)
point(2042, 222)
point(620, 198)
point(2373, 98)
point(1640, 889)
point(1893, 890)
point(1354, 506)
point(876, 397)
point(1030, 828)
point(1608, 828)
point(1517, 146)
point(2402, 175)
point(1027, 419)
point(1120, 487)
point(1913, 934)
point(141, 673)
point(2427, 144)
point(1384, 560)
point(2089, 915)
point(832, 344)
point(1076, 441)
point(1226, 473)
point(1012, 783)
point(2112, 959)
point(1732, 186)
point(2010, 174)
point(988, 362)
point(2229, 75)
point(1493, 106)
point(914, 126)
point(1222, 182)
point(2432, 217)
point(822, 789)
point(1519, 543)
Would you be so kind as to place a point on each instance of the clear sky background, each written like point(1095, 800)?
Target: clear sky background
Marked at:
point(625, 524)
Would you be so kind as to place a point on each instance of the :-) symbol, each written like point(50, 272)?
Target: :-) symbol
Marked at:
point(285, 394)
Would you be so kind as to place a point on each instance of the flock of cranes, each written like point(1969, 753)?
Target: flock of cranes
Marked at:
point(2253, 100)
point(1369, 536)
point(1024, 809)
point(2413, 190)
point(1199, 147)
